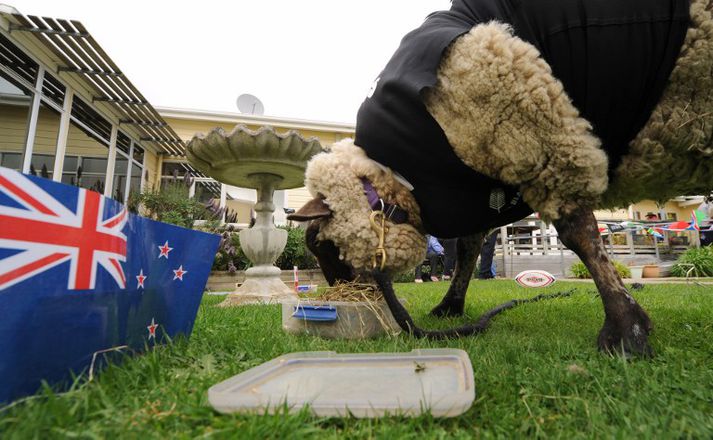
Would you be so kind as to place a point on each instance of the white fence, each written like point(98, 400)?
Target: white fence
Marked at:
point(542, 249)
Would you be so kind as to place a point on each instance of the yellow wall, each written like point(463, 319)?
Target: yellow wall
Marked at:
point(242, 208)
point(151, 165)
point(646, 206)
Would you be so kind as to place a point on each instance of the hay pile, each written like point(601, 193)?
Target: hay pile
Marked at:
point(350, 291)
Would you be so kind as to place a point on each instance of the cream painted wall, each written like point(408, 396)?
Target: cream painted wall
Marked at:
point(242, 208)
point(646, 206)
point(151, 165)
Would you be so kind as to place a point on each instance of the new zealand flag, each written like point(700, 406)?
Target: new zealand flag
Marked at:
point(79, 275)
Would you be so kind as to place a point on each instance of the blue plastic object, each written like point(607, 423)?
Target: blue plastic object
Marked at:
point(315, 313)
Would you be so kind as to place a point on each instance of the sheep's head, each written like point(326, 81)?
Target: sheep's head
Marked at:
point(340, 233)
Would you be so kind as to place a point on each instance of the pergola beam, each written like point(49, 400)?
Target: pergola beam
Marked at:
point(88, 71)
point(168, 141)
point(14, 27)
point(118, 101)
point(142, 123)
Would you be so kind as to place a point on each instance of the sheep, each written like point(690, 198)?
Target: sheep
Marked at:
point(499, 109)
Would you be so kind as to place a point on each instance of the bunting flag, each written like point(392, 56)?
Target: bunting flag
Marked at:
point(80, 275)
point(654, 232)
point(678, 226)
point(697, 217)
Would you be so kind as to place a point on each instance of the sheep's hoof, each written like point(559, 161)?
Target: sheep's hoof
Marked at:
point(448, 308)
point(628, 335)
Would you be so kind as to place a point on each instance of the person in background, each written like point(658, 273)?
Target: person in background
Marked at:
point(449, 258)
point(433, 252)
point(487, 265)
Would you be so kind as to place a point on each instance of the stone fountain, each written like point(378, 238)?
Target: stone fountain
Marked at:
point(265, 161)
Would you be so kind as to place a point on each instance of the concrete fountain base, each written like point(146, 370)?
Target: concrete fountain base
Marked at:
point(262, 286)
point(262, 243)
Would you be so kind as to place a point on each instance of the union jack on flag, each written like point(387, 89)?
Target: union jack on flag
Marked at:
point(79, 275)
point(47, 233)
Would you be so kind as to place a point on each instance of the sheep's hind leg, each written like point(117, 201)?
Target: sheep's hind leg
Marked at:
point(626, 324)
point(467, 252)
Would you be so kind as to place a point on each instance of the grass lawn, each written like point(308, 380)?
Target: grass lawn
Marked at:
point(537, 373)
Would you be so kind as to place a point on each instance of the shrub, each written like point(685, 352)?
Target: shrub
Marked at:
point(296, 252)
point(230, 255)
point(404, 277)
point(171, 204)
point(695, 262)
point(579, 270)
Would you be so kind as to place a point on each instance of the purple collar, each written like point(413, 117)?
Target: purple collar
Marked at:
point(392, 211)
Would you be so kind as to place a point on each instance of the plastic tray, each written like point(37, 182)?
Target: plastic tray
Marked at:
point(439, 381)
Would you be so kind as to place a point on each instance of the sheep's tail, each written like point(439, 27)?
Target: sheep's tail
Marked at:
point(404, 320)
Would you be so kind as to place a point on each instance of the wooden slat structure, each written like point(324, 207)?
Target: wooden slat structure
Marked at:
point(212, 185)
point(77, 53)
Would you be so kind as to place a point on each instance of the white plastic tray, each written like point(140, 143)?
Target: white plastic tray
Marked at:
point(439, 381)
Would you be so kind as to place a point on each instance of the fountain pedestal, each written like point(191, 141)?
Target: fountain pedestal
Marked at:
point(262, 244)
point(265, 161)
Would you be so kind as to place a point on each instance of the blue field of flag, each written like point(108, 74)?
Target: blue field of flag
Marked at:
point(79, 274)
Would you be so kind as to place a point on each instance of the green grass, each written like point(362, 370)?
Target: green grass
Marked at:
point(537, 373)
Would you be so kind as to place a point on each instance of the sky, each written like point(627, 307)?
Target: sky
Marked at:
point(304, 59)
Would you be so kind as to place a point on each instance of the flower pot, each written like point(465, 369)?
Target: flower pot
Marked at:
point(637, 272)
point(651, 271)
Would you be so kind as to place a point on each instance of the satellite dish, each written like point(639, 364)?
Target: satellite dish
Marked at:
point(250, 105)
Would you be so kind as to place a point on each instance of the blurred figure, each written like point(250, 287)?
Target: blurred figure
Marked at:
point(449, 258)
point(487, 265)
point(433, 253)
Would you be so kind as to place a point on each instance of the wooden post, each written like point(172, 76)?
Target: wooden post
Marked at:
point(545, 238)
point(503, 242)
point(630, 241)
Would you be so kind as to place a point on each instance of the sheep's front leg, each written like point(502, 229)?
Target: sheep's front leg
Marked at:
point(626, 324)
point(467, 250)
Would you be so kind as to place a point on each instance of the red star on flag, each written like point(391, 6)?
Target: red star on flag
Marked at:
point(140, 278)
point(178, 273)
point(152, 329)
point(164, 250)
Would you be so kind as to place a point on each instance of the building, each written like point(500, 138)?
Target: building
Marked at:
point(69, 114)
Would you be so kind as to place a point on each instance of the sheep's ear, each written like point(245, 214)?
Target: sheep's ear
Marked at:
point(314, 209)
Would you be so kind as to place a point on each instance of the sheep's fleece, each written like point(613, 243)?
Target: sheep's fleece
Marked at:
point(506, 116)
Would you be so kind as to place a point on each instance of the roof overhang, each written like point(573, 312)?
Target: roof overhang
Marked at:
point(67, 47)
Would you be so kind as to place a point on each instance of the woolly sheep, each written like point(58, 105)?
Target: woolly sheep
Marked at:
point(506, 116)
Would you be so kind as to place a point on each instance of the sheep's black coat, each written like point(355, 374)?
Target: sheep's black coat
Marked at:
point(613, 57)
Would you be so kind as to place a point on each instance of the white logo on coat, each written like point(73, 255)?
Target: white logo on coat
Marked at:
point(373, 88)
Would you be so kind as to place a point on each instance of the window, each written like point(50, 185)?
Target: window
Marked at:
point(136, 175)
point(53, 89)
point(86, 159)
point(15, 104)
point(121, 167)
point(45, 144)
point(671, 216)
point(637, 215)
point(138, 154)
point(17, 61)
